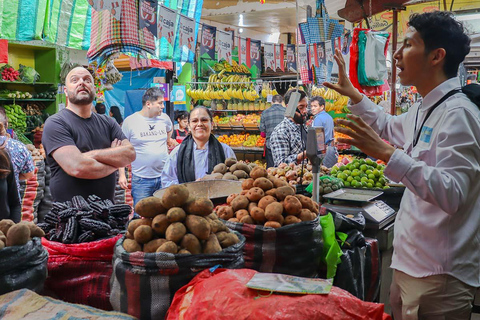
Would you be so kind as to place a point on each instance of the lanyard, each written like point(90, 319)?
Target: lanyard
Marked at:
point(445, 97)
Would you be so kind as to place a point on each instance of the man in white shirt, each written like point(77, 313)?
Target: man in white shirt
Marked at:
point(436, 258)
point(149, 131)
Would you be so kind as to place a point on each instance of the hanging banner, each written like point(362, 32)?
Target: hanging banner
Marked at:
point(312, 55)
point(269, 55)
point(186, 28)
point(291, 61)
point(225, 46)
point(147, 16)
point(255, 46)
point(167, 20)
point(97, 5)
point(242, 51)
point(302, 57)
point(115, 8)
point(329, 59)
point(279, 57)
point(207, 43)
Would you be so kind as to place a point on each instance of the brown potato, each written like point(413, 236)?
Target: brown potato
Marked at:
point(258, 172)
point(212, 245)
point(217, 225)
point(258, 214)
point(255, 194)
point(128, 235)
point(240, 202)
point(240, 174)
point(241, 213)
point(2, 244)
point(234, 220)
point(251, 205)
point(34, 230)
point(273, 211)
point(200, 207)
point(240, 166)
point(271, 192)
point(292, 205)
point(279, 183)
point(168, 247)
point(247, 219)
point(229, 176)
point(283, 192)
point(176, 214)
point(183, 251)
point(291, 220)
point(307, 215)
point(143, 234)
point(18, 235)
point(191, 243)
point(225, 212)
point(231, 197)
point(212, 216)
point(134, 224)
point(247, 184)
point(243, 192)
point(175, 232)
point(270, 177)
point(152, 245)
point(160, 224)
point(5, 224)
point(199, 226)
point(272, 224)
point(175, 196)
point(150, 207)
point(307, 203)
point(229, 239)
point(220, 168)
point(230, 161)
point(263, 183)
point(266, 201)
point(131, 245)
point(222, 235)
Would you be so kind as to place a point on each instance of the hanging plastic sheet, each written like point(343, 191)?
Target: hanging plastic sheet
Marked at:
point(372, 62)
point(22, 20)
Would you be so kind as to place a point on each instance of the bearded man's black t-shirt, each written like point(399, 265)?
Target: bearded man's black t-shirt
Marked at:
point(97, 132)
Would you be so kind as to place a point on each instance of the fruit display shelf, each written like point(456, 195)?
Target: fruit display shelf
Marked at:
point(255, 150)
point(26, 100)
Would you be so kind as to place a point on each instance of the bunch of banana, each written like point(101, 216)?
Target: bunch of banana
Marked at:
point(239, 68)
point(266, 90)
point(318, 92)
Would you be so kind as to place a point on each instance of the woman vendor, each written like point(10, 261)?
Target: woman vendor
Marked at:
point(199, 152)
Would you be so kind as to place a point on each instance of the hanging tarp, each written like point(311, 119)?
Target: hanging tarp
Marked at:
point(22, 20)
point(68, 23)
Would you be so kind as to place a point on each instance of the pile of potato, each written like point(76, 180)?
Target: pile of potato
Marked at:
point(292, 173)
point(231, 170)
point(268, 201)
point(17, 234)
point(177, 224)
point(37, 154)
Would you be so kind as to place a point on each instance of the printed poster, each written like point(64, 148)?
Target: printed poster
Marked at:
point(269, 56)
point(207, 43)
point(291, 59)
point(167, 20)
point(279, 57)
point(312, 55)
point(242, 51)
point(303, 56)
point(225, 46)
point(147, 16)
point(186, 34)
point(255, 47)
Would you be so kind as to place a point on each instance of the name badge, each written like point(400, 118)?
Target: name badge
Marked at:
point(426, 134)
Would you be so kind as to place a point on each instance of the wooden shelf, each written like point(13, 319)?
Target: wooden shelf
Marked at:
point(255, 150)
point(237, 129)
point(28, 83)
point(26, 100)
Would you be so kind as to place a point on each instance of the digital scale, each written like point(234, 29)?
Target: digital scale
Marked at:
point(349, 201)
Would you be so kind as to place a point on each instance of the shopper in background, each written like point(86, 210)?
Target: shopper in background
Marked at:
point(322, 118)
point(10, 207)
point(7, 132)
point(289, 136)
point(21, 158)
point(100, 108)
point(436, 257)
point(84, 149)
point(199, 152)
point(181, 133)
point(268, 121)
point(149, 131)
point(115, 113)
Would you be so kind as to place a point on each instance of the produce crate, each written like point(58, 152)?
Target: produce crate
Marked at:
point(224, 125)
point(236, 124)
point(250, 126)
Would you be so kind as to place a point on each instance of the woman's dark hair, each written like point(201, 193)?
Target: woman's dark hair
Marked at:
point(289, 93)
point(201, 107)
point(439, 29)
point(180, 115)
point(100, 108)
point(4, 164)
point(116, 114)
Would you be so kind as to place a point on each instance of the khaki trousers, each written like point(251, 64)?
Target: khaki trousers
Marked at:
point(438, 297)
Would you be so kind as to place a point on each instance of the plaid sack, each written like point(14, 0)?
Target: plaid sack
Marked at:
point(80, 273)
point(295, 249)
point(143, 284)
point(23, 267)
point(109, 35)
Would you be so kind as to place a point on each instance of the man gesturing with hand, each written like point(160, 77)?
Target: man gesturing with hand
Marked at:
point(436, 257)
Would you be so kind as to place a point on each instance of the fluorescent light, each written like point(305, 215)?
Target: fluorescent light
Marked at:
point(240, 30)
point(468, 17)
point(240, 16)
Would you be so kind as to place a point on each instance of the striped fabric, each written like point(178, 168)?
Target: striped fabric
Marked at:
point(22, 19)
point(272, 250)
point(143, 284)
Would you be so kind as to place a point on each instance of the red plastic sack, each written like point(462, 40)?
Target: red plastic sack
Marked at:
point(80, 273)
point(223, 295)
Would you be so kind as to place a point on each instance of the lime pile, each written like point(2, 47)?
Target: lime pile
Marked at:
point(361, 173)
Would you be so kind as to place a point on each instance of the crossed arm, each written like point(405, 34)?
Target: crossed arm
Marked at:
point(95, 164)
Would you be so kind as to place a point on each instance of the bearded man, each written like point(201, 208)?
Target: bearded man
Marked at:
point(83, 149)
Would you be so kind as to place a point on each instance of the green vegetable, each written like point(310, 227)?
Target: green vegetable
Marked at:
point(28, 74)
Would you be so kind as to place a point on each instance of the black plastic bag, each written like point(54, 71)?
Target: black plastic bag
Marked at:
point(143, 284)
point(23, 267)
point(345, 224)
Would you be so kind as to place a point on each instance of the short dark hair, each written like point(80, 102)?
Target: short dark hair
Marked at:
point(439, 29)
point(180, 115)
point(152, 94)
point(289, 93)
point(277, 98)
point(100, 108)
point(4, 164)
point(204, 108)
point(320, 100)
